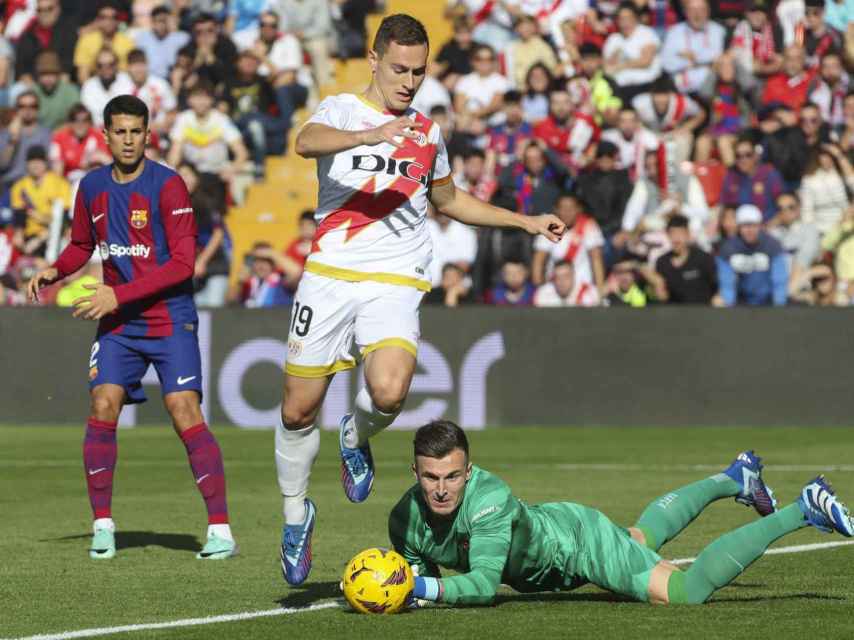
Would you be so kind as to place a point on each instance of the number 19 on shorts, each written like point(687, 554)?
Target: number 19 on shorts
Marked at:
point(301, 319)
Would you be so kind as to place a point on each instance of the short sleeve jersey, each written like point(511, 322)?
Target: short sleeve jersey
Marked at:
point(575, 246)
point(372, 203)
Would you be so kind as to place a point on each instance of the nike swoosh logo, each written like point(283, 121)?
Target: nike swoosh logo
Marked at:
point(96, 218)
point(202, 478)
point(92, 472)
point(182, 380)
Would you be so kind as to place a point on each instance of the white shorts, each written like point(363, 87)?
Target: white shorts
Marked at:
point(334, 323)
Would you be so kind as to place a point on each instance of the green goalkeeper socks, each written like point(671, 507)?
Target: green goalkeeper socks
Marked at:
point(723, 560)
point(666, 516)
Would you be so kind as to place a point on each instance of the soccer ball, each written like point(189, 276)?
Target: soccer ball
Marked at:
point(377, 581)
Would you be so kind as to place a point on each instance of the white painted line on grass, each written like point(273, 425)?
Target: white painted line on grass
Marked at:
point(331, 604)
point(798, 548)
point(189, 622)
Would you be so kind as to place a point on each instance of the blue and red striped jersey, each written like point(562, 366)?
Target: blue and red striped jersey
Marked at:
point(145, 231)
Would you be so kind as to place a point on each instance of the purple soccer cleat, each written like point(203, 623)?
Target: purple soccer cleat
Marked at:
point(746, 470)
point(296, 547)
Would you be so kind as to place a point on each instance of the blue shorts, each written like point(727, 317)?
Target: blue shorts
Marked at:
point(123, 360)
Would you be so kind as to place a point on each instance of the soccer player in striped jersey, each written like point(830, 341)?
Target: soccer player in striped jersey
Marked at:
point(137, 214)
point(463, 518)
point(379, 162)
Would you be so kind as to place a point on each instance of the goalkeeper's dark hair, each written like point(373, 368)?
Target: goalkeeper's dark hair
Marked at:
point(402, 29)
point(125, 105)
point(439, 438)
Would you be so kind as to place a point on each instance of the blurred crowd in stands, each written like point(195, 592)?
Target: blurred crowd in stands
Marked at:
point(699, 153)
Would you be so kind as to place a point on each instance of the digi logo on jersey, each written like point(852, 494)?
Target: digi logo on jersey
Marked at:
point(121, 251)
point(408, 169)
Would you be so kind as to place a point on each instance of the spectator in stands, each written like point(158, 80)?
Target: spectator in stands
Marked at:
point(52, 31)
point(250, 102)
point(632, 54)
point(454, 288)
point(689, 273)
point(191, 10)
point(533, 183)
point(478, 95)
point(56, 95)
point(814, 34)
point(568, 133)
point(349, 17)
point(300, 247)
point(242, 21)
point(529, 49)
point(311, 22)
point(78, 146)
point(563, 291)
point(476, 175)
point(105, 35)
point(581, 245)
point(535, 99)
point(655, 199)
point(799, 239)
point(827, 188)
point(784, 142)
point(259, 285)
point(824, 290)
point(7, 67)
point(457, 143)
point(213, 53)
point(204, 136)
point(633, 141)
point(23, 132)
point(162, 42)
point(830, 90)
point(33, 198)
point(623, 285)
point(282, 64)
point(453, 242)
point(726, 228)
point(493, 21)
point(454, 58)
point(757, 43)
point(210, 275)
point(107, 83)
point(605, 191)
point(839, 241)
point(670, 115)
point(791, 85)
point(515, 289)
point(752, 267)
point(598, 92)
point(691, 47)
point(9, 254)
point(154, 91)
point(751, 182)
point(729, 111)
point(504, 140)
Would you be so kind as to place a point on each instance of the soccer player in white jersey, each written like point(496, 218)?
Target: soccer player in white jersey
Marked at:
point(378, 164)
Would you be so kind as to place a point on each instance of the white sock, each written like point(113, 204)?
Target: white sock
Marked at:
point(104, 523)
point(367, 421)
point(295, 454)
point(220, 531)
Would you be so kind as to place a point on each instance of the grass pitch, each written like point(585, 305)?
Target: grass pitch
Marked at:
point(49, 585)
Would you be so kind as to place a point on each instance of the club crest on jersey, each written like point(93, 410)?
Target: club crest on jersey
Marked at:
point(409, 169)
point(139, 218)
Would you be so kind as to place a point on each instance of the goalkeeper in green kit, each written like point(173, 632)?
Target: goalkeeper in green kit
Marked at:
point(462, 517)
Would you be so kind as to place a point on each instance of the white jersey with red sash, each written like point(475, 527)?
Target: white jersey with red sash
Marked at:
point(574, 247)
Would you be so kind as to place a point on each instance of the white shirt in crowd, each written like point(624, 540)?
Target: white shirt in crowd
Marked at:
point(574, 247)
point(158, 96)
point(631, 48)
point(456, 242)
point(633, 150)
point(479, 91)
point(582, 295)
point(706, 45)
point(95, 96)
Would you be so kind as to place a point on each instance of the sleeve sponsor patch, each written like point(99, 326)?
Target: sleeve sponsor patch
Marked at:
point(178, 212)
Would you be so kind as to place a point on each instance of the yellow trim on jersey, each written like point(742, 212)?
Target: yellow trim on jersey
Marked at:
point(440, 181)
point(370, 104)
point(360, 276)
point(406, 345)
point(318, 371)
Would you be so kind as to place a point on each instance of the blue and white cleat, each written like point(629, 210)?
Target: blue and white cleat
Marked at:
point(746, 470)
point(823, 510)
point(357, 467)
point(296, 547)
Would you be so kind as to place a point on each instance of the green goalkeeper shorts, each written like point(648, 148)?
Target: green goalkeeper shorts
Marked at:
point(601, 552)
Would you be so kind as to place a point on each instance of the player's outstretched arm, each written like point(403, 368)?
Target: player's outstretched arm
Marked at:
point(315, 140)
point(464, 207)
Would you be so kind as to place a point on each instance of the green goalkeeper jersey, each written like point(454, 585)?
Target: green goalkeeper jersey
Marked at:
point(493, 538)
